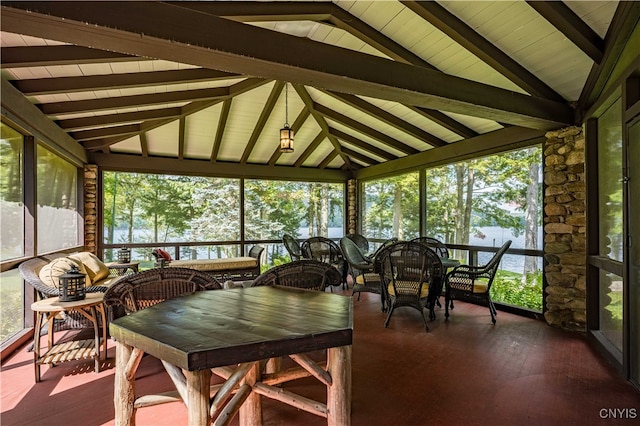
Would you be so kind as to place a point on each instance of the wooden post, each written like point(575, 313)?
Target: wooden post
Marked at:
point(198, 383)
point(339, 392)
point(251, 411)
point(123, 388)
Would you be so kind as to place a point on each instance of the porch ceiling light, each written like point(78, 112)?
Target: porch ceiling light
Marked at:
point(286, 133)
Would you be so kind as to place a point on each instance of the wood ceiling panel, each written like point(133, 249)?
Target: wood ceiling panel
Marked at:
point(596, 14)
point(200, 130)
point(127, 146)
point(163, 141)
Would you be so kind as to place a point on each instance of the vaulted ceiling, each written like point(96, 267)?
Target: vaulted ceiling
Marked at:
point(361, 83)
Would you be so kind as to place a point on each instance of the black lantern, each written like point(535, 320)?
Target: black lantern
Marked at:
point(71, 285)
point(124, 255)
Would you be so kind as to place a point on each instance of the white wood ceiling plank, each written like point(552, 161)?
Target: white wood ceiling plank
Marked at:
point(127, 146)
point(596, 14)
point(163, 140)
point(200, 132)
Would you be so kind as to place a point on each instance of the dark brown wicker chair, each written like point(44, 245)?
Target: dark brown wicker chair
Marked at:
point(293, 247)
point(327, 251)
point(30, 270)
point(304, 273)
point(474, 282)
point(361, 268)
point(409, 272)
point(385, 244)
point(436, 245)
point(132, 293)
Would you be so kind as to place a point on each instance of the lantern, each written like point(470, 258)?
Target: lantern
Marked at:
point(71, 285)
point(124, 255)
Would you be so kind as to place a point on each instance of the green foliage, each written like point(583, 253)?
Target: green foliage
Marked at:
point(508, 288)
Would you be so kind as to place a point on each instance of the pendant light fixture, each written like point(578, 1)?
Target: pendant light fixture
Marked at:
point(286, 133)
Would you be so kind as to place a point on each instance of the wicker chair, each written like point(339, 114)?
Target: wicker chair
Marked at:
point(385, 244)
point(409, 271)
point(361, 268)
point(304, 273)
point(292, 246)
point(132, 293)
point(474, 282)
point(30, 270)
point(436, 245)
point(327, 251)
point(361, 241)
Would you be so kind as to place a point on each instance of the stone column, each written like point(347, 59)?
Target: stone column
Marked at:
point(564, 229)
point(352, 206)
point(90, 207)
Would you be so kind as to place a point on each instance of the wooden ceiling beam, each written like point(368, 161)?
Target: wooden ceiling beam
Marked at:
point(361, 144)
point(267, 109)
point(465, 36)
point(40, 86)
point(315, 143)
point(359, 156)
point(445, 121)
point(386, 117)
point(186, 36)
point(86, 135)
point(366, 130)
point(45, 56)
point(328, 159)
point(222, 124)
point(568, 23)
point(118, 118)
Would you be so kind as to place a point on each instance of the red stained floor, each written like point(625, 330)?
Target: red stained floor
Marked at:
point(462, 372)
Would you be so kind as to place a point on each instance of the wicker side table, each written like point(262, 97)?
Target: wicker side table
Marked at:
point(119, 269)
point(47, 309)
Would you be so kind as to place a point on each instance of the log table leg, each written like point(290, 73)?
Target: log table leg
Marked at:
point(339, 392)
point(124, 387)
point(198, 383)
point(251, 411)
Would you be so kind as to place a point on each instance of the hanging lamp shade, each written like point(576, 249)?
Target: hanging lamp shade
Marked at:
point(286, 133)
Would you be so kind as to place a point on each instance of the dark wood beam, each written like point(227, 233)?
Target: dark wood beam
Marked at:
point(568, 23)
point(297, 124)
point(317, 116)
point(465, 36)
point(101, 104)
point(85, 135)
point(445, 121)
point(181, 134)
point(359, 156)
point(222, 124)
point(315, 143)
point(144, 146)
point(177, 34)
point(113, 119)
point(328, 159)
point(40, 86)
point(262, 120)
point(366, 130)
point(624, 22)
point(45, 56)
point(386, 117)
point(361, 144)
point(486, 144)
point(103, 145)
point(191, 167)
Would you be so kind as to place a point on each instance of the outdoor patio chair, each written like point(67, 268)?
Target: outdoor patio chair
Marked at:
point(473, 282)
point(325, 250)
point(304, 273)
point(436, 245)
point(135, 292)
point(361, 268)
point(293, 247)
point(361, 241)
point(409, 272)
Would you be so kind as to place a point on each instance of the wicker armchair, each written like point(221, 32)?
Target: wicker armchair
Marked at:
point(304, 273)
point(361, 268)
point(436, 245)
point(30, 271)
point(474, 282)
point(327, 251)
point(385, 244)
point(132, 293)
point(409, 272)
point(292, 246)
point(360, 240)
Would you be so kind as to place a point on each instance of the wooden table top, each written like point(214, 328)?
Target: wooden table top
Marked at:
point(53, 304)
point(222, 327)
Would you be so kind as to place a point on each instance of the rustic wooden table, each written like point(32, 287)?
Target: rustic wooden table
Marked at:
point(46, 311)
point(237, 327)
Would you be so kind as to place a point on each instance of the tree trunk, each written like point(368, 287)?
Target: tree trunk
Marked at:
point(397, 211)
point(531, 221)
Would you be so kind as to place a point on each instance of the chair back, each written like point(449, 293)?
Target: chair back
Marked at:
point(292, 246)
point(384, 245)
point(144, 289)
point(466, 278)
point(436, 245)
point(354, 256)
point(410, 271)
point(304, 273)
point(360, 240)
point(322, 249)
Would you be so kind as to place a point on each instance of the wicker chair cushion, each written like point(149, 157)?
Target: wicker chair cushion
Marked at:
point(361, 279)
point(96, 269)
point(424, 291)
point(50, 273)
point(480, 287)
point(216, 264)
